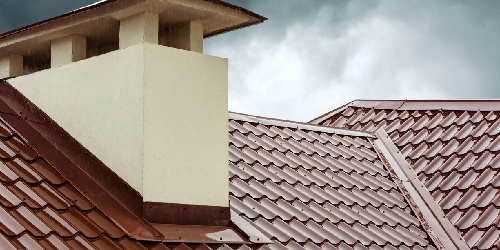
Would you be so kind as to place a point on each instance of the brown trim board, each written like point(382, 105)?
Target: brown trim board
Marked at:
point(183, 214)
point(431, 216)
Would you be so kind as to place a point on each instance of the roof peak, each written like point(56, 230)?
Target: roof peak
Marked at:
point(297, 125)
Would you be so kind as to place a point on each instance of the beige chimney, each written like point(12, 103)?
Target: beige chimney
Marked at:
point(128, 80)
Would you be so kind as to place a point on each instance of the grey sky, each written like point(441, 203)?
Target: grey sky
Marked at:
point(315, 55)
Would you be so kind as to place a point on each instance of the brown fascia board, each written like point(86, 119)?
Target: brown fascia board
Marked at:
point(84, 170)
point(430, 214)
point(256, 18)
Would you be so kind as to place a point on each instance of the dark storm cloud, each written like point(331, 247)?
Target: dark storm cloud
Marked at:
point(19, 13)
point(312, 56)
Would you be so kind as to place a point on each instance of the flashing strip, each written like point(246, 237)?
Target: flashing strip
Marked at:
point(431, 216)
point(330, 114)
point(410, 105)
point(450, 105)
point(298, 125)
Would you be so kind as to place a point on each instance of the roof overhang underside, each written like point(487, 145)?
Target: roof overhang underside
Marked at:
point(101, 22)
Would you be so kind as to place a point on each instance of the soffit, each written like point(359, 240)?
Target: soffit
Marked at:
point(100, 22)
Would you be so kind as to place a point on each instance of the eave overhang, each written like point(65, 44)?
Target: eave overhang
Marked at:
point(96, 20)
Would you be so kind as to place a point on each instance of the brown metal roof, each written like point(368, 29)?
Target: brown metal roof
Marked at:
point(308, 187)
point(50, 197)
point(454, 148)
point(304, 186)
point(259, 18)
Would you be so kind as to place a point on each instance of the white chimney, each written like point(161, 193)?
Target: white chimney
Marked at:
point(128, 80)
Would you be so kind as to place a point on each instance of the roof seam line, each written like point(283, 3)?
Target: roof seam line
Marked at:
point(433, 219)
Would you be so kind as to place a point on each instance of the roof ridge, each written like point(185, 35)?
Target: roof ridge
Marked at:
point(427, 100)
point(299, 125)
point(451, 105)
point(416, 104)
point(431, 215)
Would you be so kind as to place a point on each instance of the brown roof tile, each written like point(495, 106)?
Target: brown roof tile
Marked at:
point(308, 187)
point(304, 186)
point(40, 208)
point(454, 148)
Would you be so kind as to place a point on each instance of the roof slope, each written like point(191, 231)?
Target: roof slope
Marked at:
point(40, 209)
point(305, 186)
point(454, 148)
point(311, 187)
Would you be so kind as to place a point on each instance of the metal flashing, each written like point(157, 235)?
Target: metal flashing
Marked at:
point(317, 190)
point(466, 105)
point(297, 125)
point(326, 116)
point(186, 214)
point(95, 211)
point(430, 214)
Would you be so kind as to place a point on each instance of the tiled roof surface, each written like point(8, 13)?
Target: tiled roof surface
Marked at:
point(40, 209)
point(314, 189)
point(454, 150)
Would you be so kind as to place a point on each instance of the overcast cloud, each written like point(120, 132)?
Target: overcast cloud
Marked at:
point(312, 56)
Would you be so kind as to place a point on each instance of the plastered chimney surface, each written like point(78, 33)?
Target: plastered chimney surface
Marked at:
point(155, 115)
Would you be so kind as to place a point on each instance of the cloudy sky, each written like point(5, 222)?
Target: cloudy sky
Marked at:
point(312, 56)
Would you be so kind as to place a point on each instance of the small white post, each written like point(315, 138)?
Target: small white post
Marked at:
point(67, 50)
point(139, 28)
point(187, 36)
point(11, 66)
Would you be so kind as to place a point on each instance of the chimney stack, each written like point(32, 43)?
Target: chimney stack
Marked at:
point(128, 80)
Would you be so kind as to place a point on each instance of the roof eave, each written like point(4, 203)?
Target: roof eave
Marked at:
point(255, 18)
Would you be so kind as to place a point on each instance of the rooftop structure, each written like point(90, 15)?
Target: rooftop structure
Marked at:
point(120, 138)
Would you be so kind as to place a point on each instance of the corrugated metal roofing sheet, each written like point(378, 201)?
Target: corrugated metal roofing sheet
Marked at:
point(311, 189)
point(40, 208)
point(303, 188)
point(454, 149)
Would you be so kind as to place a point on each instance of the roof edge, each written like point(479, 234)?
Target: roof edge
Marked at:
point(256, 18)
point(328, 115)
point(452, 104)
point(298, 125)
point(432, 217)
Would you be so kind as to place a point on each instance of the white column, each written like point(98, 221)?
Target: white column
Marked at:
point(187, 36)
point(67, 50)
point(11, 66)
point(139, 28)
